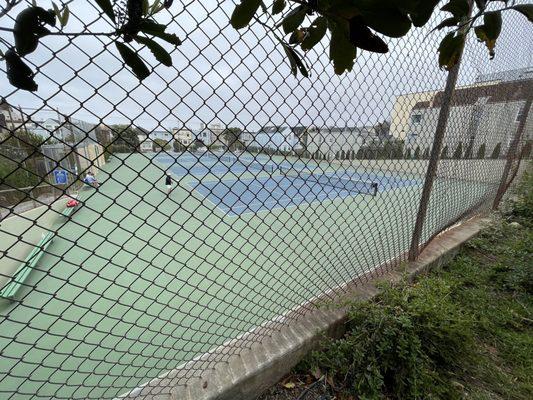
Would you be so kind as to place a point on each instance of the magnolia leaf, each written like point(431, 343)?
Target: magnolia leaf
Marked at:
point(145, 7)
point(361, 36)
point(278, 6)
point(18, 72)
point(131, 59)
point(56, 10)
point(481, 4)
point(169, 38)
point(490, 30)
point(65, 16)
point(421, 15)
point(450, 50)
point(294, 19)
point(244, 12)
point(447, 22)
point(315, 33)
point(151, 27)
point(386, 19)
point(341, 51)
point(459, 8)
point(154, 6)
point(297, 36)
point(493, 24)
point(28, 28)
point(295, 61)
point(107, 8)
point(157, 50)
point(525, 9)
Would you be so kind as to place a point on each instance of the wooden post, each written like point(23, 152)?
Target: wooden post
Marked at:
point(511, 154)
point(435, 153)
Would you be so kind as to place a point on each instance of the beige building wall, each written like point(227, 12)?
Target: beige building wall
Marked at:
point(90, 157)
point(184, 135)
point(402, 110)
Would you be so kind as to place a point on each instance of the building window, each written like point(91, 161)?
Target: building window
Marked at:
point(416, 118)
point(521, 112)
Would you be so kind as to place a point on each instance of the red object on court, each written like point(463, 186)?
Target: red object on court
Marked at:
point(72, 203)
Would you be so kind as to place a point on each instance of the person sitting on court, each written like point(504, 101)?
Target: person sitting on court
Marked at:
point(168, 183)
point(90, 180)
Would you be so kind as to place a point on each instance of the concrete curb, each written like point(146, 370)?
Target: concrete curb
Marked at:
point(246, 375)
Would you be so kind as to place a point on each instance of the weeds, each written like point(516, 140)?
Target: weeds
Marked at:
point(465, 331)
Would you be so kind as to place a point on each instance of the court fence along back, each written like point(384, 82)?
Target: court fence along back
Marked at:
point(227, 194)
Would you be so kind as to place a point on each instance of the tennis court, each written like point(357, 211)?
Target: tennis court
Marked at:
point(138, 283)
point(263, 193)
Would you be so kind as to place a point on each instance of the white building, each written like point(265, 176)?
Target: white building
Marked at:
point(276, 138)
point(338, 143)
point(146, 144)
point(167, 136)
point(183, 135)
point(208, 135)
point(487, 114)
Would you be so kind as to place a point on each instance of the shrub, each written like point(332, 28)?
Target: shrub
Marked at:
point(481, 151)
point(496, 152)
point(458, 153)
point(402, 344)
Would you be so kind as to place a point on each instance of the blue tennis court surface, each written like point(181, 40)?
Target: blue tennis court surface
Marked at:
point(251, 195)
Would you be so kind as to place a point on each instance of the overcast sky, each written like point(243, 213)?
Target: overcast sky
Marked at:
point(241, 78)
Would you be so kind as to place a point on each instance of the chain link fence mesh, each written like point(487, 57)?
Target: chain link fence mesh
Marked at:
point(281, 192)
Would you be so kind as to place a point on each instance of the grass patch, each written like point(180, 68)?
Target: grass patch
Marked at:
point(464, 331)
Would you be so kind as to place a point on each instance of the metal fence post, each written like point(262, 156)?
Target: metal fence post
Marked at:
point(512, 154)
point(436, 150)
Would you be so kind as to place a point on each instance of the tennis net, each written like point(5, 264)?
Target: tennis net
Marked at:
point(252, 164)
point(345, 183)
point(246, 162)
point(223, 157)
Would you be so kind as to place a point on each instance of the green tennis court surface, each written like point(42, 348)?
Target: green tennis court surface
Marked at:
point(183, 276)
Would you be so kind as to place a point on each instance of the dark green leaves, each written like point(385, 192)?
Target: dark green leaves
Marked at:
point(18, 73)
point(278, 6)
point(107, 8)
point(169, 38)
point(493, 24)
point(293, 19)
point(62, 17)
point(157, 50)
point(151, 27)
point(295, 61)
point(481, 4)
point(315, 33)
point(385, 17)
point(459, 8)
point(133, 61)
point(447, 22)
point(450, 50)
point(490, 30)
point(244, 12)
point(526, 9)
point(361, 36)
point(422, 13)
point(29, 27)
point(341, 51)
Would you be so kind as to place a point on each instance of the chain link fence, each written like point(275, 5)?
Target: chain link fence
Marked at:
point(224, 194)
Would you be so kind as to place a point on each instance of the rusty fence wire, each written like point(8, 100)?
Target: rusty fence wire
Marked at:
point(146, 224)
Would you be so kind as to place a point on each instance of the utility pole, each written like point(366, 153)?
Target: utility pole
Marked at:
point(513, 151)
point(434, 157)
